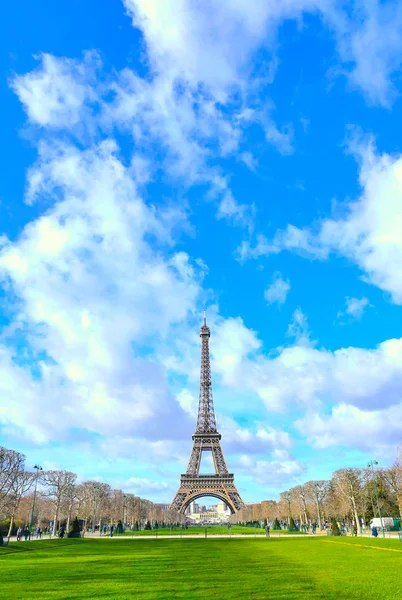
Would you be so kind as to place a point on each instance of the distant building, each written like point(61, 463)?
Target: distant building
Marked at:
point(216, 513)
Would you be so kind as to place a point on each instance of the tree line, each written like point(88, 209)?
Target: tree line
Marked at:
point(52, 498)
point(352, 496)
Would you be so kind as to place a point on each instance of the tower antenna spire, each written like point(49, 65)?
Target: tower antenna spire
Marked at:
point(205, 316)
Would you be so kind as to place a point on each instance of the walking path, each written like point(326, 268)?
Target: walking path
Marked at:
point(153, 536)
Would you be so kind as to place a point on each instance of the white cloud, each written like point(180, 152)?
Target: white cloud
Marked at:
point(57, 92)
point(281, 471)
point(144, 487)
point(278, 290)
point(368, 233)
point(196, 40)
point(282, 140)
point(200, 43)
point(348, 425)
point(229, 208)
point(156, 452)
point(354, 307)
point(371, 42)
point(191, 128)
point(363, 387)
point(90, 291)
point(248, 159)
point(233, 342)
point(258, 438)
point(277, 438)
point(299, 330)
point(195, 103)
point(302, 376)
point(189, 402)
point(201, 92)
point(292, 239)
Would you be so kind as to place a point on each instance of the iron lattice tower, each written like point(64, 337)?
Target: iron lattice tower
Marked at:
point(206, 439)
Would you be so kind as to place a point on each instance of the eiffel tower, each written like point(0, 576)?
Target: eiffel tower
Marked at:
point(206, 438)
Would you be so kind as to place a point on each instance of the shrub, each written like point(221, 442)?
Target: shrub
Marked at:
point(277, 525)
point(4, 525)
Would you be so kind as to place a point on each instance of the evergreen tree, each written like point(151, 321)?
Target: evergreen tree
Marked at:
point(119, 528)
point(75, 530)
point(136, 526)
point(148, 525)
point(277, 525)
point(335, 527)
point(292, 525)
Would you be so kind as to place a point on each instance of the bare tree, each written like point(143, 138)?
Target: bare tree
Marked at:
point(348, 482)
point(298, 497)
point(11, 465)
point(336, 504)
point(22, 483)
point(256, 512)
point(70, 498)
point(96, 500)
point(131, 501)
point(317, 491)
point(303, 494)
point(393, 477)
point(117, 504)
point(347, 495)
point(58, 484)
point(285, 503)
point(268, 510)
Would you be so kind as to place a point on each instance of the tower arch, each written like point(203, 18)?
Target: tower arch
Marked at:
point(217, 495)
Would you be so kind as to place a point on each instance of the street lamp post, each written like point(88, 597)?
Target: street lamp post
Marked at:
point(316, 485)
point(371, 465)
point(38, 468)
point(288, 499)
point(124, 512)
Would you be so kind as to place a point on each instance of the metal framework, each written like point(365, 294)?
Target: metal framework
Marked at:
point(206, 439)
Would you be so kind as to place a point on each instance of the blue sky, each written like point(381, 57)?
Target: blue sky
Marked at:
point(162, 156)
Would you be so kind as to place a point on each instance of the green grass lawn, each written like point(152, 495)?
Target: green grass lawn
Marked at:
point(214, 530)
point(257, 568)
